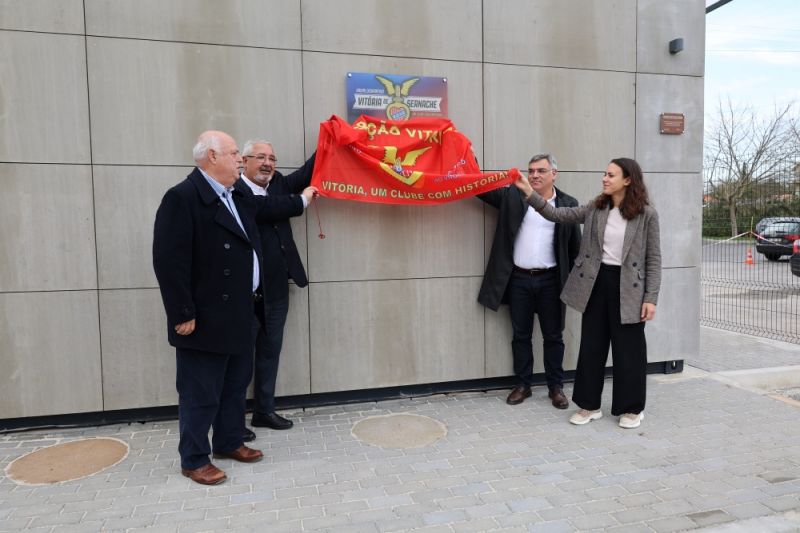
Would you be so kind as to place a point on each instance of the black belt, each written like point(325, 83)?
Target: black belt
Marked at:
point(257, 296)
point(534, 271)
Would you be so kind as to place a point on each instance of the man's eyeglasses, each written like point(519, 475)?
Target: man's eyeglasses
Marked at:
point(261, 158)
point(541, 171)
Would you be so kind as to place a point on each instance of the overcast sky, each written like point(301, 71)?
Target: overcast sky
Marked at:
point(753, 53)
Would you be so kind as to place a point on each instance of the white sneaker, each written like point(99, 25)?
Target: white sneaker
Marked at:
point(631, 420)
point(584, 417)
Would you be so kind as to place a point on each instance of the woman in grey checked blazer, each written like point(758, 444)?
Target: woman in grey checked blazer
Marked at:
point(615, 284)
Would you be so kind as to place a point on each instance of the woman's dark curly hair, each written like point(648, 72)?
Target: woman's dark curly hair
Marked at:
point(635, 193)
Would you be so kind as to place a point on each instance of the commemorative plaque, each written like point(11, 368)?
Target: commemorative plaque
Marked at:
point(671, 123)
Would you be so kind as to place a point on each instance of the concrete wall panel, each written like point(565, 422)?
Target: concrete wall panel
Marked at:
point(59, 16)
point(150, 100)
point(600, 34)
point(126, 200)
point(436, 29)
point(260, 23)
point(657, 152)
point(556, 110)
point(660, 22)
point(294, 371)
point(325, 81)
point(49, 353)
point(138, 363)
point(381, 334)
point(674, 333)
point(370, 241)
point(584, 186)
point(678, 199)
point(43, 98)
point(46, 228)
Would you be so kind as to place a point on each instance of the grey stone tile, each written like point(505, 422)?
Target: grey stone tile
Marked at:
point(634, 515)
point(56, 519)
point(593, 521)
point(398, 524)
point(179, 517)
point(783, 503)
point(444, 517)
point(673, 523)
point(220, 524)
point(709, 518)
point(325, 522)
point(558, 526)
point(556, 513)
point(475, 525)
point(749, 510)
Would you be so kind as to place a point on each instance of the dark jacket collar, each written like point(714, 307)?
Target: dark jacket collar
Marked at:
point(207, 194)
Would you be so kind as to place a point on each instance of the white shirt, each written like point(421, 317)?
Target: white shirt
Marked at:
point(614, 237)
point(257, 189)
point(533, 246)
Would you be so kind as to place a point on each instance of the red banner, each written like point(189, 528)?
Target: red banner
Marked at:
point(416, 161)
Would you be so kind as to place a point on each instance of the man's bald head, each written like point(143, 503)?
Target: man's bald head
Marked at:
point(217, 154)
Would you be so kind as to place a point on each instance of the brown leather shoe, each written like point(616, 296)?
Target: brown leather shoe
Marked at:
point(243, 454)
point(557, 395)
point(208, 474)
point(518, 395)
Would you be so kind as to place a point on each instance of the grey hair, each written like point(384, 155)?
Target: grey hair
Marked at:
point(206, 142)
point(248, 146)
point(550, 159)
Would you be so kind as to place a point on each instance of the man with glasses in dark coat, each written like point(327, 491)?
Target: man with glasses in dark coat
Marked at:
point(527, 268)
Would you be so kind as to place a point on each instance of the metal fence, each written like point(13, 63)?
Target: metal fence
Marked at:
point(744, 290)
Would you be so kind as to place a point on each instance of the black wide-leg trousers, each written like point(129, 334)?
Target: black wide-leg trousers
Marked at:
point(600, 327)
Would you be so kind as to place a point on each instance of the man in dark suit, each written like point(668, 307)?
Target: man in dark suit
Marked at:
point(281, 263)
point(207, 257)
point(528, 265)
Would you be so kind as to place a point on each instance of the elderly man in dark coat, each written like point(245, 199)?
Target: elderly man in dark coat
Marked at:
point(207, 257)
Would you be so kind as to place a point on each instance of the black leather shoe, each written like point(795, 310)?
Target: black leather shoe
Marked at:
point(270, 420)
point(556, 394)
point(248, 435)
point(518, 395)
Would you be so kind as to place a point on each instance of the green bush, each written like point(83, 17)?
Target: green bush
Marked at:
point(717, 223)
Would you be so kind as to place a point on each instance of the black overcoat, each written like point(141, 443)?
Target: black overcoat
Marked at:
point(512, 207)
point(204, 263)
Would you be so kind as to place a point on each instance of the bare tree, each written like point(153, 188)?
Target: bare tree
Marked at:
point(744, 148)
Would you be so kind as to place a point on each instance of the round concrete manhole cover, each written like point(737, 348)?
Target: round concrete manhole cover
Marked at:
point(399, 431)
point(66, 461)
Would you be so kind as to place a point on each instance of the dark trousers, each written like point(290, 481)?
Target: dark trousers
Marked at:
point(536, 295)
point(600, 326)
point(212, 391)
point(269, 340)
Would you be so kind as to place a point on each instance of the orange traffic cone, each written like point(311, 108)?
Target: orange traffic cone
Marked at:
point(749, 259)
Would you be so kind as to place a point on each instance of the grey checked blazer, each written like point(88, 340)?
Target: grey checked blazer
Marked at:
point(640, 278)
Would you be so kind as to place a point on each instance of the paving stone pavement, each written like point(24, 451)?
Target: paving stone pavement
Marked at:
point(709, 457)
point(722, 350)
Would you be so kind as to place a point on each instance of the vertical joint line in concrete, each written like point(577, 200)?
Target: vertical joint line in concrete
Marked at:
point(308, 233)
point(94, 208)
point(636, 79)
point(483, 162)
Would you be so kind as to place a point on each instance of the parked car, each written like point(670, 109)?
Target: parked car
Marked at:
point(764, 222)
point(794, 261)
point(778, 237)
